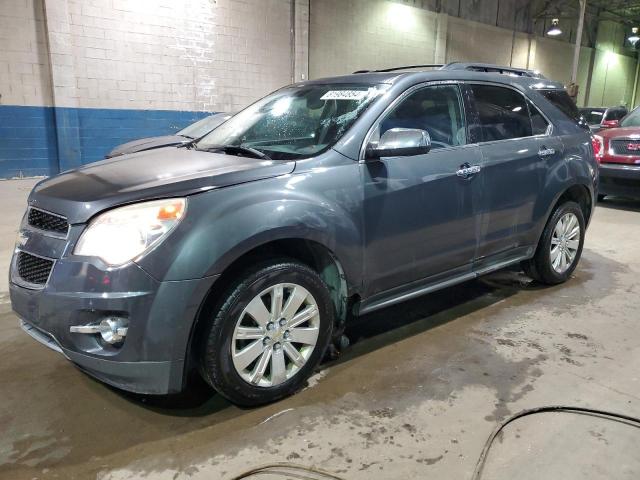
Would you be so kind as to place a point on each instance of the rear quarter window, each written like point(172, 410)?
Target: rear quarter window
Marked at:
point(562, 100)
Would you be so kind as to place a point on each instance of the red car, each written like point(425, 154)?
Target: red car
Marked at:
point(618, 153)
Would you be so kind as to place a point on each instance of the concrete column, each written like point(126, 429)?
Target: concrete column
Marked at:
point(301, 40)
point(576, 52)
point(63, 82)
point(531, 57)
point(442, 24)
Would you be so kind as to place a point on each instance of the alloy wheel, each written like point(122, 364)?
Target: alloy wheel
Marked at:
point(565, 242)
point(275, 335)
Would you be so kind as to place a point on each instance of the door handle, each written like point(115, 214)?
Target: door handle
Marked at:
point(546, 152)
point(466, 170)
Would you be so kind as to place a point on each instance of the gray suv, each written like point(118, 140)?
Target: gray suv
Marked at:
point(242, 255)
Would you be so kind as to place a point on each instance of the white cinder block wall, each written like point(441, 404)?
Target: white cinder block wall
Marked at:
point(349, 35)
point(178, 55)
point(24, 60)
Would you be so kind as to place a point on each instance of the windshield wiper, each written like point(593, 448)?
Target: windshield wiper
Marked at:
point(236, 149)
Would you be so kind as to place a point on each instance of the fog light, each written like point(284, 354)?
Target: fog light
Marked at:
point(112, 330)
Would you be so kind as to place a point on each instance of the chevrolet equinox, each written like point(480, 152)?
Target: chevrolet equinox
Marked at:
point(242, 254)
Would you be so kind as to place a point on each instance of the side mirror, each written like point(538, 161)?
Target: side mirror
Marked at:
point(400, 142)
point(610, 123)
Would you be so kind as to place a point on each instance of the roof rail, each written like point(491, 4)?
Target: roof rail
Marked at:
point(475, 67)
point(490, 68)
point(406, 67)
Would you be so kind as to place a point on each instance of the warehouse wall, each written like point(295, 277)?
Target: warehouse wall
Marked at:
point(371, 34)
point(478, 42)
point(614, 71)
point(348, 35)
point(78, 77)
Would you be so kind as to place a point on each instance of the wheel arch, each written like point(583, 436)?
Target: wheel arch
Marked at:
point(310, 252)
point(577, 192)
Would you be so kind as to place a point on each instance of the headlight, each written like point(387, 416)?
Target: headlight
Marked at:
point(123, 234)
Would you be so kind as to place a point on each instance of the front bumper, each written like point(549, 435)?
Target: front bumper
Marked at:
point(139, 377)
point(619, 179)
point(160, 316)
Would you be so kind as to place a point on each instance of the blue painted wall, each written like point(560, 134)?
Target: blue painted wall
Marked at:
point(28, 141)
point(47, 140)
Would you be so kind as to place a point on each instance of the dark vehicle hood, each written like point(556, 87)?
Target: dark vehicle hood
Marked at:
point(147, 144)
point(79, 194)
point(623, 132)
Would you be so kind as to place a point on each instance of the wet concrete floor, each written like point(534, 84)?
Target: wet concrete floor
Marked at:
point(415, 396)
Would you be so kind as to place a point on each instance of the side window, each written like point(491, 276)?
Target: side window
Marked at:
point(502, 113)
point(436, 109)
point(539, 124)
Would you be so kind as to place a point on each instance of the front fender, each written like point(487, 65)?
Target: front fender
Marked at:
point(222, 225)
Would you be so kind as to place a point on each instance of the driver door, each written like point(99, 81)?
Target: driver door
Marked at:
point(420, 211)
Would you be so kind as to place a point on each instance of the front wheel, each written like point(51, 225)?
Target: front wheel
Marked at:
point(269, 334)
point(560, 246)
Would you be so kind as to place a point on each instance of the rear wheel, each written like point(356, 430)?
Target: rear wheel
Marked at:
point(560, 246)
point(269, 334)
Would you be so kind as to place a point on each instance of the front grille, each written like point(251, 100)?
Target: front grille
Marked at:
point(626, 147)
point(33, 269)
point(47, 221)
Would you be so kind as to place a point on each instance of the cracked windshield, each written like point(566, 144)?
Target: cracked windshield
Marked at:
point(296, 122)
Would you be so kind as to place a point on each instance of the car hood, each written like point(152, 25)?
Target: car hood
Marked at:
point(166, 172)
point(147, 144)
point(623, 132)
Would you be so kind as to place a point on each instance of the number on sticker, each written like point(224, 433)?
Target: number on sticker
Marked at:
point(344, 95)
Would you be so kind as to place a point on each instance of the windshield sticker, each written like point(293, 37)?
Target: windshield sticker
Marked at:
point(344, 95)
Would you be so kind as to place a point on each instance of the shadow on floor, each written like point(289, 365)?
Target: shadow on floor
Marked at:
point(366, 334)
point(134, 420)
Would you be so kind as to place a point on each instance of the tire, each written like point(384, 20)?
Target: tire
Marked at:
point(263, 379)
point(541, 267)
point(601, 197)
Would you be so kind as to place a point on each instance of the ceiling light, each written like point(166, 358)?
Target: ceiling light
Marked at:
point(633, 38)
point(554, 31)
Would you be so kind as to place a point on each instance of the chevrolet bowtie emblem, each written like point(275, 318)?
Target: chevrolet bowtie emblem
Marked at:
point(22, 239)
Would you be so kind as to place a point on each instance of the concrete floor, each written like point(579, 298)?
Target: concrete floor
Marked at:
point(416, 396)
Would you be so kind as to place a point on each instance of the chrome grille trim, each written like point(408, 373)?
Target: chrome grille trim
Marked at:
point(618, 146)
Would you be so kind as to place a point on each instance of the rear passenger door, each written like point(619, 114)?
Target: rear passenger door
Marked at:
point(513, 166)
